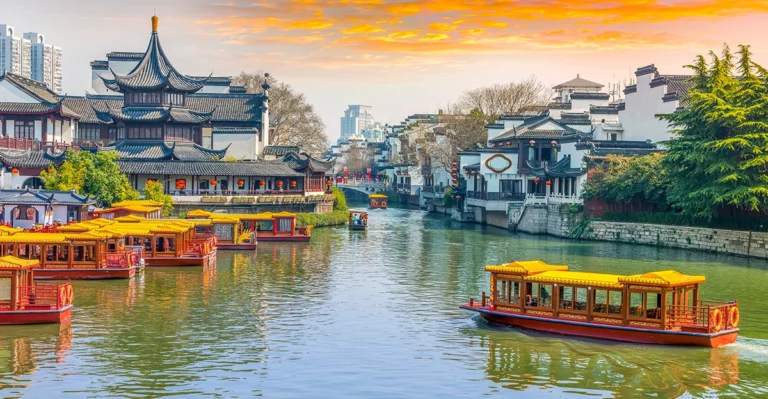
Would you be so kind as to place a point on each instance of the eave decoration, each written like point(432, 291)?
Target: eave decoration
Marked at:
point(498, 163)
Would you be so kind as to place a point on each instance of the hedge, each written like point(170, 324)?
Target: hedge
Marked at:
point(335, 218)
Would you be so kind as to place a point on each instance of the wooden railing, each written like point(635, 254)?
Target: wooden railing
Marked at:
point(45, 296)
point(15, 143)
point(700, 315)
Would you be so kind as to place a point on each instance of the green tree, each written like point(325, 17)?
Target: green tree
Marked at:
point(91, 174)
point(340, 204)
point(718, 156)
point(154, 191)
point(627, 179)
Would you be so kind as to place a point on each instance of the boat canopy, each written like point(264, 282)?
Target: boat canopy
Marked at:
point(381, 196)
point(14, 263)
point(578, 278)
point(666, 278)
point(525, 267)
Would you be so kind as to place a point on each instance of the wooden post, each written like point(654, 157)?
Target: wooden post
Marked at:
point(663, 309)
point(293, 226)
point(590, 303)
point(14, 290)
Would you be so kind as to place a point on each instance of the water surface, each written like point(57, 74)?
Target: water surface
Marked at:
point(373, 314)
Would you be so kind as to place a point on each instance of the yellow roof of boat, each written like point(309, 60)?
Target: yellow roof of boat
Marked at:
point(579, 278)
point(50, 238)
point(146, 203)
point(199, 213)
point(666, 278)
point(526, 267)
point(12, 262)
point(284, 214)
point(377, 196)
point(9, 230)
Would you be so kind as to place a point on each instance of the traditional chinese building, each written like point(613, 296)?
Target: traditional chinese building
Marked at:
point(26, 208)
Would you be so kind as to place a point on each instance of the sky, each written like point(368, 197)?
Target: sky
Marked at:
point(401, 57)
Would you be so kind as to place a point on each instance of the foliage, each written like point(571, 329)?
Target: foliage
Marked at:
point(627, 179)
point(214, 199)
point(292, 119)
point(230, 158)
point(358, 159)
point(447, 200)
point(243, 200)
point(335, 218)
point(682, 219)
point(154, 191)
point(340, 202)
point(91, 174)
point(719, 155)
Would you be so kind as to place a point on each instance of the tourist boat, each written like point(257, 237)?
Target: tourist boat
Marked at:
point(24, 301)
point(243, 231)
point(653, 308)
point(377, 201)
point(72, 255)
point(358, 220)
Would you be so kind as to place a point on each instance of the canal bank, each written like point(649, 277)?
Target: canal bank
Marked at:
point(567, 221)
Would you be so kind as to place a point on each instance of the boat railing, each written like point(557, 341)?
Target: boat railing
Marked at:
point(45, 296)
point(703, 316)
point(139, 250)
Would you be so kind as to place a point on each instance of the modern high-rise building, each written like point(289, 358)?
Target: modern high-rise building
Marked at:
point(356, 119)
point(45, 61)
point(14, 52)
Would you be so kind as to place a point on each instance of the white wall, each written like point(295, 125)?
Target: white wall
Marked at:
point(11, 94)
point(492, 177)
point(583, 105)
point(639, 116)
point(244, 146)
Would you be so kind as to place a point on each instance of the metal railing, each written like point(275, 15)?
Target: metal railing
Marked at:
point(182, 193)
point(489, 196)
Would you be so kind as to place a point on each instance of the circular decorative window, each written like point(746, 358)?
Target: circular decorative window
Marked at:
point(498, 163)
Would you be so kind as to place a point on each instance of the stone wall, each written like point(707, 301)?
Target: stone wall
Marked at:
point(732, 242)
point(534, 220)
point(497, 219)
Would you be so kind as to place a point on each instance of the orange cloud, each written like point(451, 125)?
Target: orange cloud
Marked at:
point(433, 37)
point(362, 28)
point(441, 27)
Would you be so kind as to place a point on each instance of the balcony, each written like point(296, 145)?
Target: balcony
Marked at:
point(14, 143)
point(488, 196)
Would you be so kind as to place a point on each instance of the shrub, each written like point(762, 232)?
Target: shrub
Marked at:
point(335, 218)
point(214, 200)
point(340, 200)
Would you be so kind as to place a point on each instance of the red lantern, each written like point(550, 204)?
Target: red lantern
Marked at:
point(293, 183)
point(536, 181)
point(279, 183)
point(453, 170)
point(15, 171)
point(262, 183)
point(241, 182)
point(213, 182)
point(549, 183)
point(181, 184)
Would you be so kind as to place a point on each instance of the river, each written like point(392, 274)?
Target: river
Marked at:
point(373, 314)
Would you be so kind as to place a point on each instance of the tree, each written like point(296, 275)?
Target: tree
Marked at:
point(91, 174)
point(718, 156)
point(154, 191)
point(293, 121)
point(358, 159)
point(508, 98)
point(628, 179)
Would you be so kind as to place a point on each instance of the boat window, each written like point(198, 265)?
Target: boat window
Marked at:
point(78, 253)
point(148, 244)
point(508, 292)
point(614, 301)
point(581, 299)
point(566, 298)
point(600, 302)
point(636, 301)
point(5, 289)
point(90, 253)
point(539, 295)
point(62, 253)
point(502, 292)
point(171, 244)
point(653, 306)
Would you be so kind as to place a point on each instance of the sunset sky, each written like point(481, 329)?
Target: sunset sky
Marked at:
point(401, 57)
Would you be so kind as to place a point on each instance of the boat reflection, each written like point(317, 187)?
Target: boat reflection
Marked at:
point(522, 360)
point(20, 352)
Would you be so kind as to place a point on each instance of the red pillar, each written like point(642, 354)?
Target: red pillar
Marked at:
point(293, 226)
point(274, 226)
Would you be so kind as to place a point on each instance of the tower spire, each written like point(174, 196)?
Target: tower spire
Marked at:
point(154, 23)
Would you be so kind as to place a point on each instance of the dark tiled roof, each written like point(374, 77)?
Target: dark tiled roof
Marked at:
point(154, 72)
point(472, 168)
point(30, 158)
point(43, 197)
point(630, 89)
point(238, 108)
point(679, 85)
point(237, 89)
point(560, 106)
point(622, 106)
point(494, 126)
point(125, 56)
point(302, 161)
point(529, 130)
point(604, 109)
point(33, 108)
point(163, 151)
point(280, 150)
point(215, 80)
point(607, 147)
point(578, 82)
point(646, 70)
point(589, 96)
point(561, 168)
point(235, 130)
point(501, 150)
point(213, 168)
point(102, 65)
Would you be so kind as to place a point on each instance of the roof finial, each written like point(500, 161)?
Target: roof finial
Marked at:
point(154, 23)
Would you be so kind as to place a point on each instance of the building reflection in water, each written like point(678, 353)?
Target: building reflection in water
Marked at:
point(526, 361)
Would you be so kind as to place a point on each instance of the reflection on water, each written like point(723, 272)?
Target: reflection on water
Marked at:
point(371, 314)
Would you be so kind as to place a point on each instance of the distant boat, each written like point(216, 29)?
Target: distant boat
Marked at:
point(653, 308)
point(377, 201)
point(358, 220)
